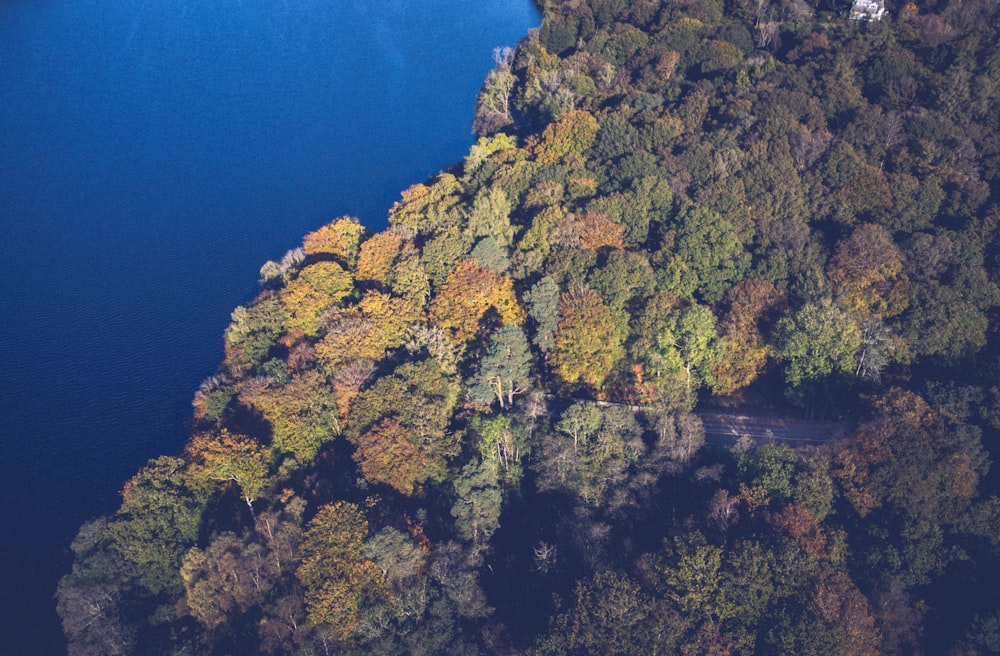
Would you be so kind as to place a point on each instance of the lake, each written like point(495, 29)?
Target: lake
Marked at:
point(152, 156)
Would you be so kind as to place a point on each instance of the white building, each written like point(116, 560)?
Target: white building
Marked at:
point(868, 10)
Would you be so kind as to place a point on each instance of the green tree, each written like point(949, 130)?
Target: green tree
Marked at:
point(686, 351)
point(611, 615)
point(157, 522)
point(91, 600)
point(820, 340)
point(623, 277)
point(490, 216)
point(479, 499)
point(253, 330)
point(710, 252)
point(543, 307)
point(505, 371)
point(401, 560)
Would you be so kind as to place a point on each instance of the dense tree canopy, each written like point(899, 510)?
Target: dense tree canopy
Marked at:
point(494, 427)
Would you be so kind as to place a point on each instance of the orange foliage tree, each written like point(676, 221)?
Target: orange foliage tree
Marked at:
point(867, 268)
point(399, 426)
point(342, 239)
point(469, 291)
point(377, 255)
point(597, 231)
point(743, 353)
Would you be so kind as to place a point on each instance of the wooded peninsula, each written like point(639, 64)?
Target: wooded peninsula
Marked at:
point(483, 429)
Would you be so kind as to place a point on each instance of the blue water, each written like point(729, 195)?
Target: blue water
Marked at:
point(153, 155)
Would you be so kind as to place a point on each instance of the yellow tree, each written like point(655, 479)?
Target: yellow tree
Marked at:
point(318, 288)
point(302, 413)
point(229, 458)
point(367, 331)
point(571, 135)
point(588, 341)
point(338, 580)
point(428, 208)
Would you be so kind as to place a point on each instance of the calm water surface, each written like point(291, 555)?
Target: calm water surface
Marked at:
point(153, 155)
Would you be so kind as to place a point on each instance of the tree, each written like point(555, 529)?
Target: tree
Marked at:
point(91, 599)
point(157, 522)
point(253, 330)
point(302, 412)
point(818, 341)
point(571, 135)
point(341, 239)
point(389, 453)
point(318, 288)
point(866, 268)
point(742, 352)
point(227, 457)
point(710, 252)
point(367, 331)
point(942, 323)
point(502, 443)
point(490, 216)
point(678, 439)
point(230, 576)
point(467, 294)
point(401, 560)
point(429, 208)
point(505, 371)
point(686, 351)
point(377, 255)
point(611, 615)
point(493, 104)
point(442, 250)
point(399, 427)
point(543, 306)
point(477, 508)
point(596, 231)
point(588, 341)
point(625, 276)
point(338, 580)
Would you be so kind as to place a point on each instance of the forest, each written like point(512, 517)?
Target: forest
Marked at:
point(478, 431)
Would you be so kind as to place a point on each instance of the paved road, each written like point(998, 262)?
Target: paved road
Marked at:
point(724, 428)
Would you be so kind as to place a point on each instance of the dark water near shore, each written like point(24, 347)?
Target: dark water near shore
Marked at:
point(153, 155)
